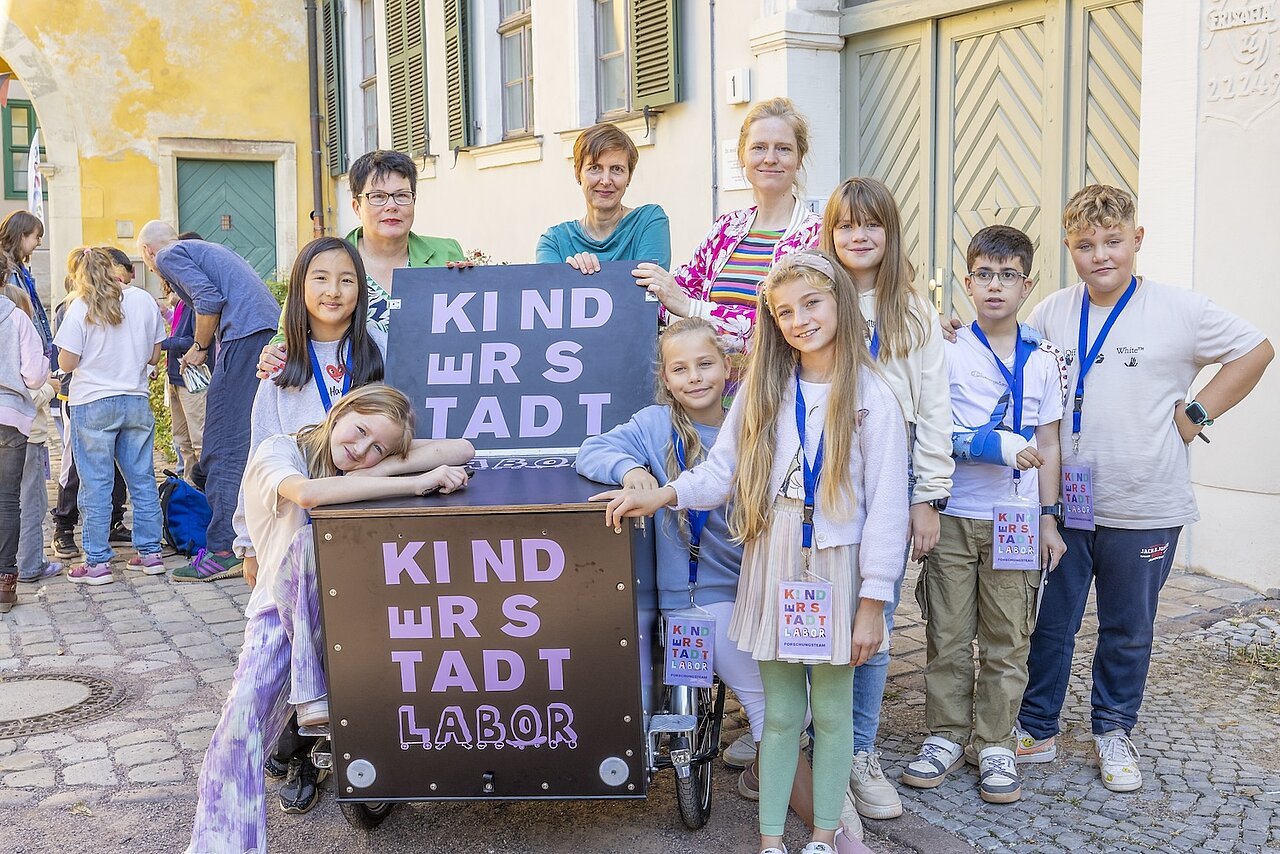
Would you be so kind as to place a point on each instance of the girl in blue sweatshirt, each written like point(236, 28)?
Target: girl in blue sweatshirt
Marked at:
point(641, 454)
point(649, 451)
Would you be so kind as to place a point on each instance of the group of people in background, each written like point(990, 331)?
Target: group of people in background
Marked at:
point(816, 424)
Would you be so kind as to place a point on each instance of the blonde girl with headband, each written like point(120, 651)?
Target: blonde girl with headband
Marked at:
point(367, 432)
point(811, 455)
point(862, 228)
point(110, 337)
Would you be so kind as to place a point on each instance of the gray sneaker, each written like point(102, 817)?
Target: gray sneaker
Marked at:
point(998, 781)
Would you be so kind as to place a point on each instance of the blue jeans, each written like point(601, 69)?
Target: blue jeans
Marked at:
point(869, 679)
point(868, 685)
point(116, 431)
point(1127, 569)
point(13, 455)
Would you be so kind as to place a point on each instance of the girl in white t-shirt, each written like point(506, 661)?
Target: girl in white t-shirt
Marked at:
point(862, 227)
point(328, 354)
point(111, 337)
point(370, 430)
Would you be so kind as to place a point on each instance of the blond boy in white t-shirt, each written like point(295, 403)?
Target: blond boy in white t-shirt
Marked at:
point(1007, 391)
point(1125, 434)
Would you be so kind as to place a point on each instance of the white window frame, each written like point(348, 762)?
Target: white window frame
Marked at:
point(520, 24)
point(367, 30)
point(597, 63)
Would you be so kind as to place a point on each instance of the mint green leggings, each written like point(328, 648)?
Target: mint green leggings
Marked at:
point(785, 702)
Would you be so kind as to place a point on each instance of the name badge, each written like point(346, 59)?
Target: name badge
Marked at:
point(804, 621)
point(690, 650)
point(1016, 536)
point(1077, 497)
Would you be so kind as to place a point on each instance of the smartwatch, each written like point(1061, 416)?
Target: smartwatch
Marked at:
point(1054, 510)
point(1198, 415)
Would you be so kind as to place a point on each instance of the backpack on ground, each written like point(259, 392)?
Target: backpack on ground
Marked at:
point(186, 514)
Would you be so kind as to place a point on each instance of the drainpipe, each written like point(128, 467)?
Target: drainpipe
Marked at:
point(715, 139)
point(317, 155)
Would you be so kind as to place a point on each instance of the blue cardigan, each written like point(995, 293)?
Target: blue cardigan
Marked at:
point(642, 235)
point(643, 441)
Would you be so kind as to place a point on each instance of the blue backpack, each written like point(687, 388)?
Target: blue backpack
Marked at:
point(186, 514)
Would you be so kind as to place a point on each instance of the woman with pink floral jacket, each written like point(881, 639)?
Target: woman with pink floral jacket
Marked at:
point(722, 280)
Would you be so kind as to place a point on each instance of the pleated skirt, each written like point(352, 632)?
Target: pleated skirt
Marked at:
point(768, 561)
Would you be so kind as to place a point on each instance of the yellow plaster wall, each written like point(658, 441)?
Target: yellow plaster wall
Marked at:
point(145, 69)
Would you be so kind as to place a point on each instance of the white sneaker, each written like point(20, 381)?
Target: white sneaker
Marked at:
point(998, 781)
point(817, 848)
point(1118, 761)
point(849, 819)
point(782, 850)
point(874, 796)
point(937, 758)
point(313, 712)
point(741, 753)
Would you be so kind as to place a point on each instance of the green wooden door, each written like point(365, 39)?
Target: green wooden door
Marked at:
point(232, 202)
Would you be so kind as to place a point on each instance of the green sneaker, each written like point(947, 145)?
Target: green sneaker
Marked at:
point(207, 566)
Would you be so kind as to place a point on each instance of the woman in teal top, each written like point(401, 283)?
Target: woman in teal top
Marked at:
point(604, 159)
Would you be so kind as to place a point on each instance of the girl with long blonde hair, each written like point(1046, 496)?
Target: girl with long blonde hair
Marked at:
point(370, 431)
point(111, 337)
point(810, 453)
point(862, 228)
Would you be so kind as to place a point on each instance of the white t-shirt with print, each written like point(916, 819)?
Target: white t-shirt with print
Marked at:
point(976, 386)
point(815, 402)
point(1159, 343)
point(273, 520)
point(113, 359)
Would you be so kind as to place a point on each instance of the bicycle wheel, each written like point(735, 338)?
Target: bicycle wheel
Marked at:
point(366, 816)
point(693, 792)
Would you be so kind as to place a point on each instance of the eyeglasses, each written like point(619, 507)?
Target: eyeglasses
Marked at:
point(379, 199)
point(1008, 278)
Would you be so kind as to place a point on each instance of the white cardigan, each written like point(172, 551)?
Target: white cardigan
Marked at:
point(923, 388)
point(879, 521)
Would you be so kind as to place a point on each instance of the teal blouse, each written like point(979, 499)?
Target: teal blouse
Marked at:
point(642, 235)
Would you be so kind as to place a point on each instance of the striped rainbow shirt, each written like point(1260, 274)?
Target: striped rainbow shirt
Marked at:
point(739, 282)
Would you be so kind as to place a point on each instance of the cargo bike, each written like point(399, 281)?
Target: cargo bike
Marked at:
point(501, 643)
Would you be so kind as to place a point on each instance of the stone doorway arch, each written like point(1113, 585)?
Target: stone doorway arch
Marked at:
point(63, 224)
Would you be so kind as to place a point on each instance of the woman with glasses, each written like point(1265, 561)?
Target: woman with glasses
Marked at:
point(383, 195)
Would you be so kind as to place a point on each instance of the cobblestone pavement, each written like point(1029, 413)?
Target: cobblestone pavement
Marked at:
point(1207, 784)
point(128, 780)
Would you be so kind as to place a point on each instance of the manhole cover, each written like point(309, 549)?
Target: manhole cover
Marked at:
point(43, 702)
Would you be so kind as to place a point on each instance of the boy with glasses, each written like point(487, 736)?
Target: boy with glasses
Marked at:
point(998, 531)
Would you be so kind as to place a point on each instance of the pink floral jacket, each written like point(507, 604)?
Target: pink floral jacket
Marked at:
point(736, 323)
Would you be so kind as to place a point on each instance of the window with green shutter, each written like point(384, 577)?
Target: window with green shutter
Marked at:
point(655, 69)
point(407, 76)
point(20, 128)
point(457, 58)
point(334, 102)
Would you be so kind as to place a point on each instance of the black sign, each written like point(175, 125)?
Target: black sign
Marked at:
point(487, 654)
point(524, 359)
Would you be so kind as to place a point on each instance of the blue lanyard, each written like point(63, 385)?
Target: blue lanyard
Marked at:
point(875, 344)
point(697, 518)
point(321, 386)
point(1022, 354)
point(811, 473)
point(1087, 360)
point(37, 308)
